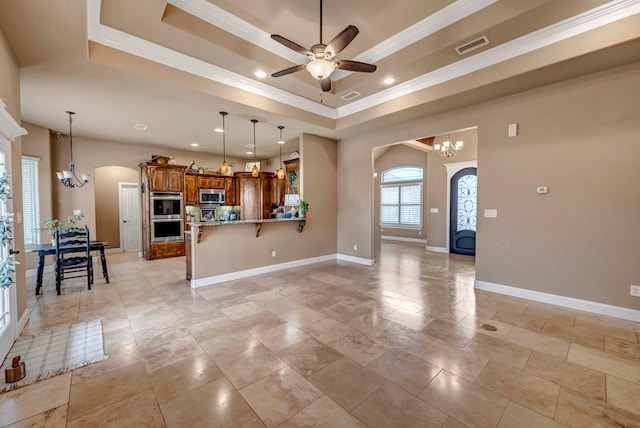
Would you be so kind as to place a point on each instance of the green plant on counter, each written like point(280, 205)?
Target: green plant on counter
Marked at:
point(303, 208)
point(54, 225)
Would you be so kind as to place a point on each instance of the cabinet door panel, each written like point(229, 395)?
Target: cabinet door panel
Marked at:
point(229, 191)
point(157, 179)
point(191, 190)
point(217, 183)
point(250, 190)
point(175, 179)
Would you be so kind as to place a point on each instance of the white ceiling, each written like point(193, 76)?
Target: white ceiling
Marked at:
point(174, 65)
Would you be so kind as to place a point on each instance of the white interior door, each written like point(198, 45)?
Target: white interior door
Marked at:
point(129, 216)
point(8, 316)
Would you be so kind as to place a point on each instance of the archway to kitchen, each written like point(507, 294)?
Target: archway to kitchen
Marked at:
point(107, 181)
point(433, 232)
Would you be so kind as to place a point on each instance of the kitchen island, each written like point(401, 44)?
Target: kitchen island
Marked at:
point(224, 250)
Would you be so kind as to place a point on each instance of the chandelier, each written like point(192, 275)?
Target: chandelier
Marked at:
point(254, 170)
point(68, 178)
point(447, 148)
point(280, 171)
point(224, 168)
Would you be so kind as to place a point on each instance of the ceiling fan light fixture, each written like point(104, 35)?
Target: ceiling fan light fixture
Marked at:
point(320, 68)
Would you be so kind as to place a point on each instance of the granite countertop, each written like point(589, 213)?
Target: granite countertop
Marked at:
point(224, 223)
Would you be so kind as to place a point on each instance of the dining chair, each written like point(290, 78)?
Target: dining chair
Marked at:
point(73, 258)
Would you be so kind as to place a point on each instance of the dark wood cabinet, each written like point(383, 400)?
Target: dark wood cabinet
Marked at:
point(230, 196)
point(254, 195)
point(278, 189)
point(209, 182)
point(190, 189)
point(165, 178)
point(292, 176)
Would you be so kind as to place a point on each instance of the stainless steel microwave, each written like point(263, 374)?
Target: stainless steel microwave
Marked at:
point(211, 196)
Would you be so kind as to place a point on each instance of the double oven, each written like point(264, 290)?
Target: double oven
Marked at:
point(167, 216)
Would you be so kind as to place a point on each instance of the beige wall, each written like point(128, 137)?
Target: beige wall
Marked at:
point(107, 190)
point(580, 139)
point(10, 94)
point(230, 248)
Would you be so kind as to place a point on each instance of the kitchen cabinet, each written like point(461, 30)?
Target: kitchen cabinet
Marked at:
point(190, 189)
point(254, 195)
point(208, 182)
point(165, 178)
point(230, 191)
point(292, 176)
point(278, 188)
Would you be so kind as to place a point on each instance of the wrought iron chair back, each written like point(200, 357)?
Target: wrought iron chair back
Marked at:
point(73, 258)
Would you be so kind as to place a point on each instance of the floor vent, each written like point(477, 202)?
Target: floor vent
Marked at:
point(474, 44)
point(351, 95)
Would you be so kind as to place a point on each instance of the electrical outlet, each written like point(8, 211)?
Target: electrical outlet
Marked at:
point(273, 253)
point(419, 232)
point(635, 290)
point(355, 247)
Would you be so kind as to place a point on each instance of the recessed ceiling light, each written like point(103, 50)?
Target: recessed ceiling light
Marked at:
point(194, 144)
point(260, 74)
point(218, 130)
point(249, 153)
point(140, 127)
point(389, 80)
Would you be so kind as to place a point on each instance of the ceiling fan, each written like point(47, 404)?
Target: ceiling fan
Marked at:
point(321, 57)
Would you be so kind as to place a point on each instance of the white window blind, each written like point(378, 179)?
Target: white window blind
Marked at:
point(401, 204)
point(30, 200)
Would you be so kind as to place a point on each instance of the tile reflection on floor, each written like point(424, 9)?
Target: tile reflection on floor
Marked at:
point(332, 344)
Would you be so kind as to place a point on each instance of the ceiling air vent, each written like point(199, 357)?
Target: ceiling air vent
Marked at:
point(474, 44)
point(351, 95)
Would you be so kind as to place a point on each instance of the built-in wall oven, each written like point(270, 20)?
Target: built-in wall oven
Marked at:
point(167, 221)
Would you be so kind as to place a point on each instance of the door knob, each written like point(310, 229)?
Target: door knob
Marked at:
point(124, 221)
point(12, 252)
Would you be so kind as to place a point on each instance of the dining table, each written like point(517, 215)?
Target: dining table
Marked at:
point(50, 249)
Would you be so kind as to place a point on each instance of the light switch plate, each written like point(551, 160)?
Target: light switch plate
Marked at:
point(542, 189)
point(491, 213)
point(433, 210)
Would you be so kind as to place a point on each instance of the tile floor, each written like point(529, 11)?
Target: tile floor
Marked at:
point(334, 345)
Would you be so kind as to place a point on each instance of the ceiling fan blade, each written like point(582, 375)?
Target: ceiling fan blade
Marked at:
point(355, 66)
point(341, 41)
point(325, 84)
point(291, 45)
point(288, 70)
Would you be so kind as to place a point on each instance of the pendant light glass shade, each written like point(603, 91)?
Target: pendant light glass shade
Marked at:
point(280, 172)
point(68, 178)
point(224, 168)
point(254, 169)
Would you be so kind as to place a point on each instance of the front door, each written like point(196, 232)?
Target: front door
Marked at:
point(464, 197)
point(129, 216)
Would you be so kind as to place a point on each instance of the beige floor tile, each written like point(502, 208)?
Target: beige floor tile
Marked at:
point(622, 348)
point(176, 379)
point(328, 330)
point(120, 357)
point(616, 327)
point(161, 335)
point(577, 410)
point(34, 399)
point(280, 395)
point(530, 391)
point(309, 356)
point(52, 418)
point(539, 342)
point(260, 321)
point(156, 318)
point(346, 382)
point(215, 292)
point(410, 319)
point(302, 317)
point(211, 405)
point(248, 420)
point(359, 347)
point(606, 363)
point(499, 350)
point(405, 370)
point(139, 410)
point(406, 339)
point(368, 324)
point(463, 400)
point(623, 394)
point(228, 344)
point(322, 413)
point(242, 310)
point(580, 335)
point(516, 415)
point(452, 423)
point(212, 328)
point(391, 407)
point(461, 362)
point(281, 336)
point(450, 332)
point(169, 353)
point(94, 394)
point(248, 366)
point(586, 381)
point(522, 320)
point(473, 322)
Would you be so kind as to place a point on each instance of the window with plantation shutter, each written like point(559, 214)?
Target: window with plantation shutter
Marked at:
point(401, 202)
point(30, 200)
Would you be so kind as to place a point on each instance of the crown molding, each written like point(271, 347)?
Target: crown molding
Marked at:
point(590, 20)
point(9, 128)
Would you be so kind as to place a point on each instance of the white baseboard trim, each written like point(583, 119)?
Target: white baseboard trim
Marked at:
point(353, 259)
point(201, 282)
point(437, 249)
point(567, 302)
point(400, 238)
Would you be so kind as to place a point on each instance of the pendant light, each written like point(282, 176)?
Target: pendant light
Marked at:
point(68, 178)
point(254, 169)
point(224, 168)
point(280, 172)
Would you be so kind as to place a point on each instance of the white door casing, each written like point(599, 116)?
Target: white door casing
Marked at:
point(129, 216)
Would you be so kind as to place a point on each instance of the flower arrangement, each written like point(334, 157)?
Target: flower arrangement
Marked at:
point(54, 225)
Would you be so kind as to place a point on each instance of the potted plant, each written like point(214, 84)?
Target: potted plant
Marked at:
point(303, 208)
point(54, 225)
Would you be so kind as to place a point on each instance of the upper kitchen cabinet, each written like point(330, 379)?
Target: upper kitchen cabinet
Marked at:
point(254, 195)
point(292, 176)
point(230, 196)
point(210, 182)
point(190, 189)
point(164, 178)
